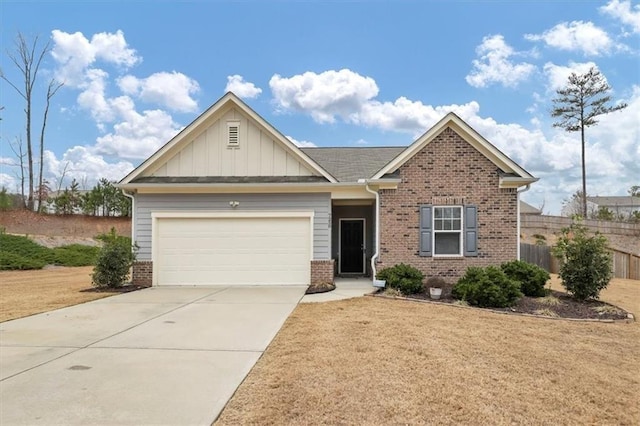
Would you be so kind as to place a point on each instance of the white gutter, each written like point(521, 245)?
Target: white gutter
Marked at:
point(377, 233)
point(133, 222)
point(526, 188)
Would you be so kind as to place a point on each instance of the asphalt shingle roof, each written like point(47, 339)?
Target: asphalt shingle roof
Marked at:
point(616, 201)
point(348, 164)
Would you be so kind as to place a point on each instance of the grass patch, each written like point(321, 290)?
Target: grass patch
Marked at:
point(549, 301)
point(606, 309)
point(380, 361)
point(546, 312)
point(392, 292)
point(20, 253)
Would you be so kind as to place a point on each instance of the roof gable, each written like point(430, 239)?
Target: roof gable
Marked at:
point(513, 172)
point(201, 148)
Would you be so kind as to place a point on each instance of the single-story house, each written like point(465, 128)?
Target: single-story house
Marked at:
point(621, 206)
point(528, 209)
point(231, 200)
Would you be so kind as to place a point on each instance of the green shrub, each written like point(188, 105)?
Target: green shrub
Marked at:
point(13, 261)
point(532, 278)
point(487, 287)
point(402, 277)
point(113, 264)
point(24, 247)
point(112, 236)
point(75, 255)
point(586, 265)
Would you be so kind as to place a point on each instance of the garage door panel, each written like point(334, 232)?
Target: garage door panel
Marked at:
point(234, 251)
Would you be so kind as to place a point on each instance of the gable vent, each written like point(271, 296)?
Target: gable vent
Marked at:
point(233, 133)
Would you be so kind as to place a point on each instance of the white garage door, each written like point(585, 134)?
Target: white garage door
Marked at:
point(233, 251)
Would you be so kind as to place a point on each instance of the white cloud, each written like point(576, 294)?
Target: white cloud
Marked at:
point(557, 75)
point(325, 95)
point(74, 53)
point(137, 135)
point(172, 90)
point(613, 153)
point(241, 88)
point(623, 11)
point(301, 144)
point(84, 165)
point(577, 36)
point(495, 65)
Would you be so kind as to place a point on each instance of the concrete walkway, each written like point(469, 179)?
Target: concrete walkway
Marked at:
point(346, 288)
point(170, 356)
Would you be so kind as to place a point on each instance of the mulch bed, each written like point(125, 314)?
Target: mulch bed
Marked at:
point(116, 290)
point(567, 307)
point(320, 288)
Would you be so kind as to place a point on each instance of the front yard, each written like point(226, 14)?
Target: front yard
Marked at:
point(25, 293)
point(376, 361)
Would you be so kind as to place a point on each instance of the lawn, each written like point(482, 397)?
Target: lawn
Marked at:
point(377, 361)
point(25, 293)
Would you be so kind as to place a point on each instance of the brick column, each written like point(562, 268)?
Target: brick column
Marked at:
point(321, 271)
point(142, 273)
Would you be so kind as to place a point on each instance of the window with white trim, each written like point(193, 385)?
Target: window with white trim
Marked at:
point(447, 231)
point(233, 133)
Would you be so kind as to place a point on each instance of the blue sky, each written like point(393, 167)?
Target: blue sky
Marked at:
point(328, 73)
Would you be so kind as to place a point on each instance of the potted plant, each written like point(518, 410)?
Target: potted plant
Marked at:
point(435, 285)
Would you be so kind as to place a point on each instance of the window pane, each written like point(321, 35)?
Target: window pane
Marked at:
point(437, 212)
point(437, 224)
point(457, 225)
point(447, 243)
point(457, 212)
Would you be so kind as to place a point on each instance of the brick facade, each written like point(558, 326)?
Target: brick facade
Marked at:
point(142, 273)
point(448, 171)
point(322, 271)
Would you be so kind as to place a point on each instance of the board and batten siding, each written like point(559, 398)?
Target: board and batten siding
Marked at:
point(208, 154)
point(319, 203)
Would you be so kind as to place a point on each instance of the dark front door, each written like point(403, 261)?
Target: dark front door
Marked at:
point(352, 246)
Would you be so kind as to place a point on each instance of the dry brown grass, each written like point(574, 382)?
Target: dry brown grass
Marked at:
point(25, 293)
point(382, 361)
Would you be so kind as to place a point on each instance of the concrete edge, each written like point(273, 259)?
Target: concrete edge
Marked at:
point(630, 317)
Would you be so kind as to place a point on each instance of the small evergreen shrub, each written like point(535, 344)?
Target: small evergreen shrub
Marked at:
point(586, 265)
point(487, 288)
point(404, 278)
point(13, 261)
point(113, 264)
point(75, 255)
point(532, 278)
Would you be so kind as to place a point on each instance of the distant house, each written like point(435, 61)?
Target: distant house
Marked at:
point(621, 206)
point(526, 208)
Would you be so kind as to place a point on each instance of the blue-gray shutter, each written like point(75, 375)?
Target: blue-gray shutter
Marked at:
point(425, 230)
point(470, 231)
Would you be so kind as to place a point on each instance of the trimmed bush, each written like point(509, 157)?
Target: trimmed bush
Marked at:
point(487, 288)
point(532, 278)
point(586, 263)
point(404, 278)
point(113, 264)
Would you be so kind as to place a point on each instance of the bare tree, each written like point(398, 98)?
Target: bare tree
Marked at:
point(585, 97)
point(51, 91)
point(27, 58)
point(18, 150)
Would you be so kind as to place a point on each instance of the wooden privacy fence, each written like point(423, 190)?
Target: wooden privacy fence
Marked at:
point(625, 265)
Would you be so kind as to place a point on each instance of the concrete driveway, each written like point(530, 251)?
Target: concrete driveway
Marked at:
point(157, 356)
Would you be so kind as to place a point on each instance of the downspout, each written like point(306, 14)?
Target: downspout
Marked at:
point(133, 222)
point(377, 233)
point(518, 192)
